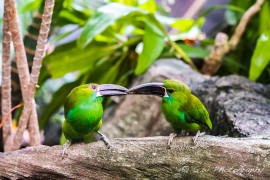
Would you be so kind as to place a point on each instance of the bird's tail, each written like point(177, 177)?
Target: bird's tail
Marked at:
point(208, 124)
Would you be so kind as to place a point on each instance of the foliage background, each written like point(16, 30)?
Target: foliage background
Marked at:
point(114, 41)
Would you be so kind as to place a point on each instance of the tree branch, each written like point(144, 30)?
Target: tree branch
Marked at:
point(213, 62)
point(223, 46)
point(6, 72)
point(22, 66)
point(28, 85)
point(37, 63)
point(243, 23)
point(138, 158)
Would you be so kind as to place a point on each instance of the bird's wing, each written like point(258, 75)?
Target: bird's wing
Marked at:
point(196, 112)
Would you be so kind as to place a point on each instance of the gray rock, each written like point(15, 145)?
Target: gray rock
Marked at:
point(243, 107)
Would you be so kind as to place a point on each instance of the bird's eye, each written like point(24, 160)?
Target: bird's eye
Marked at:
point(93, 87)
point(170, 91)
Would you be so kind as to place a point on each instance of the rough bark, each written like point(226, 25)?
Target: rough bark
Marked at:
point(22, 66)
point(138, 158)
point(37, 63)
point(28, 84)
point(213, 62)
point(6, 72)
point(237, 106)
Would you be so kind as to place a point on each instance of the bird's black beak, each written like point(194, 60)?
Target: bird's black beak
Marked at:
point(157, 89)
point(111, 90)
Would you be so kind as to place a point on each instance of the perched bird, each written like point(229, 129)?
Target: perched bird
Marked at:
point(84, 110)
point(181, 108)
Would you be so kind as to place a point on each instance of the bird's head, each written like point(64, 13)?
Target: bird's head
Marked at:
point(87, 96)
point(165, 89)
point(90, 93)
point(95, 90)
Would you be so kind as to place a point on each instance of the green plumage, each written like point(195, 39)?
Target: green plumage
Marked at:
point(183, 110)
point(83, 113)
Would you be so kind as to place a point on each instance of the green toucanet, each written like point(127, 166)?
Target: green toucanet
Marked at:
point(84, 110)
point(181, 108)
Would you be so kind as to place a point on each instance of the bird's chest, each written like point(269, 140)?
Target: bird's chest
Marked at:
point(84, 118)
point(173, 113)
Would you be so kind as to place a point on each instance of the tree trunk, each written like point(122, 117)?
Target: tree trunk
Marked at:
point(137, 158)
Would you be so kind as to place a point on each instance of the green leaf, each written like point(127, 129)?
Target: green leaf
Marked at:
point(201, 21)
point(111, 74)
point(178, 50)
point(191, 51)
point(261, 56)
point(126, 2)
point(155, 25)
point(183, 25)
point(44, 75)
point(218, 7)
point(28, 5)
point(71, 16)
point(180, 53)
point(233, 15)
point(69, 57)
point(98, 23)
point(265, 17)
point(97, 72)
point(193, 33)
point(231, 18)
point(106, 16)
point(232, 65)
point(148, 5)
point(195, 52)
point(153, 44)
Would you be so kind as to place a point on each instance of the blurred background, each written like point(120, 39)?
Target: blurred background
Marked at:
point(114, 41)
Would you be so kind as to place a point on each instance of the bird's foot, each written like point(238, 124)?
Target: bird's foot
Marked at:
point(198, 134)
point(104, 139)
point(171, 136)
point(65, 148)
